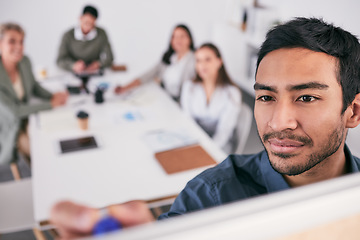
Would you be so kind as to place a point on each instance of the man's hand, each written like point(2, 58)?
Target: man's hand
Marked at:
point(59, 99)
point(73, 220)
point(93, 67)
point(79, 66)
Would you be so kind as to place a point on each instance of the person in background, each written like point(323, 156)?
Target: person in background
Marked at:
point(211, 98)
point(176, 65)
point(17, 87)
point(307, 97)
point(86, 47)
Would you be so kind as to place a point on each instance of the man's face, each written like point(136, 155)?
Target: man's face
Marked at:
point(298, 109)
point(87, 23)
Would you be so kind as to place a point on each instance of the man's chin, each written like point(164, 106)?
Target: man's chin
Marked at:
point(283, 164)
point(284, 155)
point(292, 171)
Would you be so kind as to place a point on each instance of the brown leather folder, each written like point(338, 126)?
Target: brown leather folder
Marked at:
point(118, 67)
point(184, 158)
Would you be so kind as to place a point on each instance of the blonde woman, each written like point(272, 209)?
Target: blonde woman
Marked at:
point(17, 87)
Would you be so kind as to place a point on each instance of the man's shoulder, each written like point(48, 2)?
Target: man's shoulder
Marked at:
point(237, 177)
point(357, 161)
point(354, 161)
point(233, 167)
point(69, 33)
point(100, 31)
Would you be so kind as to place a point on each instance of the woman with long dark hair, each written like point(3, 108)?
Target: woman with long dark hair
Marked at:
point(211, 98)
point(176, 66)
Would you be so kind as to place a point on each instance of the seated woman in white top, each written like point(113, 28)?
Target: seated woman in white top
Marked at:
point(177, 65)
point(211, 98)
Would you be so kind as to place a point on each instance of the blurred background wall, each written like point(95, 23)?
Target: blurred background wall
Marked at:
point(139, 30)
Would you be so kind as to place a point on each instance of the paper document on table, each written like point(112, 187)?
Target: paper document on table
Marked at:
point(57, 121)
point(120, 117)
point(162, 140)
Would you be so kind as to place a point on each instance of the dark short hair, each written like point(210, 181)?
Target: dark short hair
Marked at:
point(223, 78)
point(170, 50)
point(90, 10)
point(316, 35)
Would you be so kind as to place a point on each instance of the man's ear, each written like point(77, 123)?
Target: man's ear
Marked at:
point(354, 120)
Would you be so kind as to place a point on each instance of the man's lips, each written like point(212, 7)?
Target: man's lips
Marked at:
point(285, 145)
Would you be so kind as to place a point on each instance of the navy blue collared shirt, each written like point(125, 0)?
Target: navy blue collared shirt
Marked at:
point(237, 177)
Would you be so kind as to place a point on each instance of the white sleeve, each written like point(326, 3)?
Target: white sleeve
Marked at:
point(189, 71)
point(185, 97)
point(229, 118)
point(153, 73)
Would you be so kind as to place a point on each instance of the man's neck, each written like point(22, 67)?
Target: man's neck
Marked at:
point(332, 167)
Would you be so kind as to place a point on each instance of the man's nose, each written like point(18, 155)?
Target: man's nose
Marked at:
point(283, 117)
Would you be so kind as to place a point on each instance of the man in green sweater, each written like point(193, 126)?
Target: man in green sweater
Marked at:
point(85, 48)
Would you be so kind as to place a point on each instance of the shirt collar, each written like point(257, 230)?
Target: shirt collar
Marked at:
point(274, 181)
point(79, 35)
point(174, 57)
point(352, 161)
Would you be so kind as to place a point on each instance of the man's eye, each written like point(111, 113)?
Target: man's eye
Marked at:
point(265, 98)
point(307, 98)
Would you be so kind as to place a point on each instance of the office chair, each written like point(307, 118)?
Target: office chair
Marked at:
point(16, 205)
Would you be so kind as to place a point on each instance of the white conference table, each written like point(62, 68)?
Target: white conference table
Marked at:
point(123, 168)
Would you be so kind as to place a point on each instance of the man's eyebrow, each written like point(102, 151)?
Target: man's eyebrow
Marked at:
point(259, 86)
point(310, 85)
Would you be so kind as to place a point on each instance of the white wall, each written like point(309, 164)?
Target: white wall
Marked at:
point(343, 13)
point(139, 30)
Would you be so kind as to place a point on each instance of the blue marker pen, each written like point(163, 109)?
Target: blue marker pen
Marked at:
point(106, 223)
